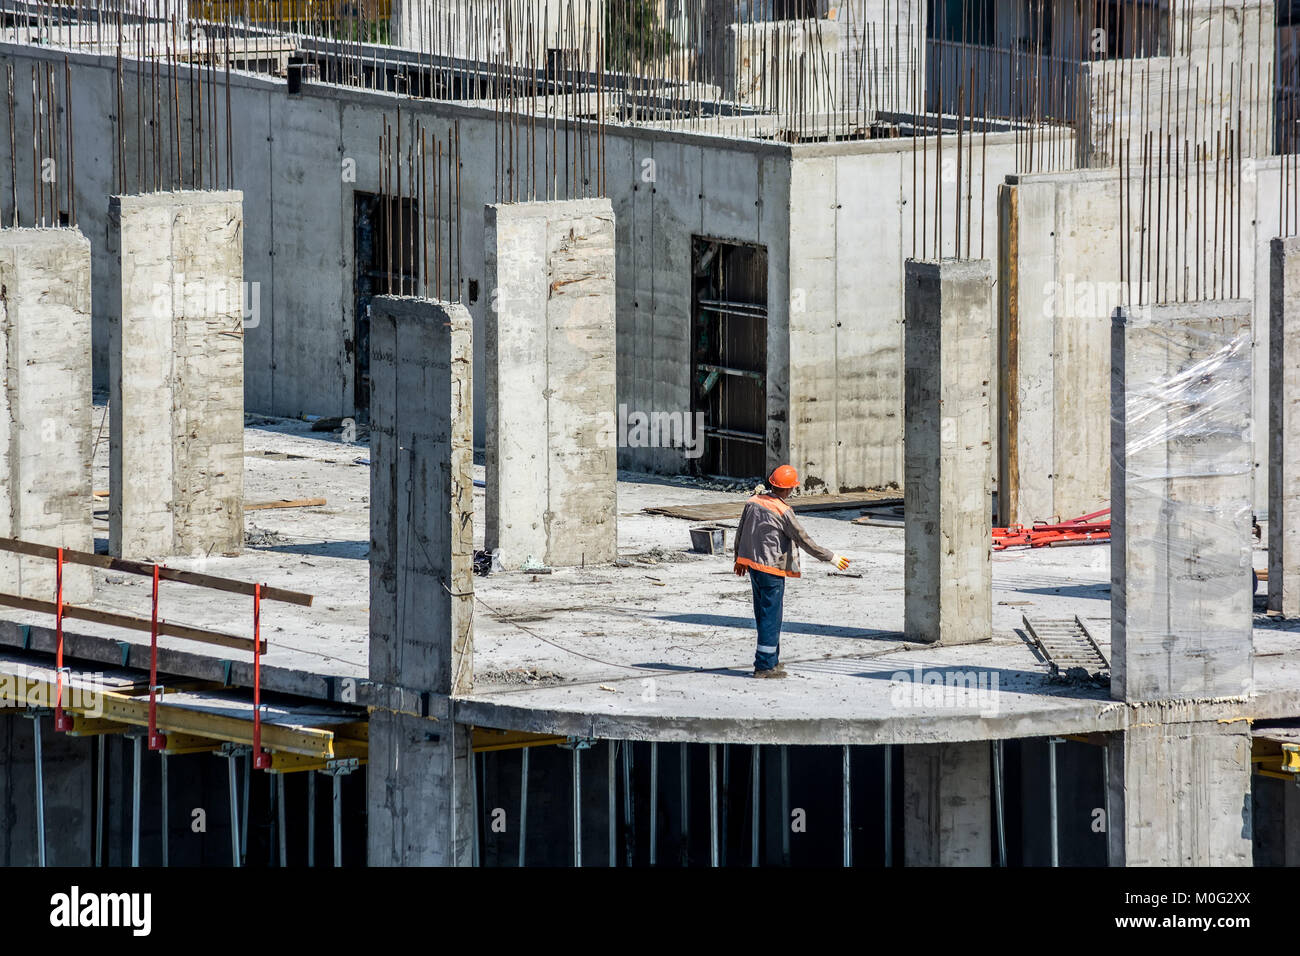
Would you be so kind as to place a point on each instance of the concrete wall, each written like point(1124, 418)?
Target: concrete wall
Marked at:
point(1222, 64)
point(550, 351)
point(1284, 429)
point(45, 407)
point(176, 378)
point(1181, 474)
point(1060, 276)
point(834, 373)
point(783, 65)
point(855, 216)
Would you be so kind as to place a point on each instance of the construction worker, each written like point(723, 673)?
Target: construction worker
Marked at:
point(767, 549)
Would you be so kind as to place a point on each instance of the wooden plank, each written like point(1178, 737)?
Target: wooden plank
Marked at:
point(283, 503)
point(145, 569)
point(165, 628)
point(722, 510)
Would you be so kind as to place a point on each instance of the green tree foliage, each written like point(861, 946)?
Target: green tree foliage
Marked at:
point(633, 34)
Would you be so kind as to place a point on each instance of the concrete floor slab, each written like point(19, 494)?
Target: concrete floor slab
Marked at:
point(657, 646)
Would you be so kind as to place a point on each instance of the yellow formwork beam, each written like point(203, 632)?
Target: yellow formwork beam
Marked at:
point(296, 763)
point(114, 707)
point(179, 743)
point(488, 738)
point(83, 726)
point(1275, 758)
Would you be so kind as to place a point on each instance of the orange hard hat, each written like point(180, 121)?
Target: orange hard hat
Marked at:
point(784, 477)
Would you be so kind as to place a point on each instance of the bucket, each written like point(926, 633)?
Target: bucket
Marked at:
point(709, 539)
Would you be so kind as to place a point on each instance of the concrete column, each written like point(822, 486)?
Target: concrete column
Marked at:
point(421, 586)
point(420, 795)
point(947, 452)
point(176, 374)
point(421, 502)
point(947, 804)
point(1187, 800)
point(1181, 473)
point(45, 406)
point(551, 455)
point(1284, 429)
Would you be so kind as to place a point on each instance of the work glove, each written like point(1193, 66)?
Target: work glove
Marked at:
point(841, 563)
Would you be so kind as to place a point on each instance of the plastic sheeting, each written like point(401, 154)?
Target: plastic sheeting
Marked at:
point(1182, 468)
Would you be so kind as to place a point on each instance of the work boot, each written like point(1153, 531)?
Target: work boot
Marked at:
point(771, 672)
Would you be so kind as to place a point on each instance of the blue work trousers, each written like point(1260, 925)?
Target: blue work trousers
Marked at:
point(769, 596)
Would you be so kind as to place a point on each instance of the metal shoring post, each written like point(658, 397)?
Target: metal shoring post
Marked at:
point(99, 802)
point(686, 809)
point(40, 787)
point(1105, 792)
point(279, 811)
point(726, 799)
point(629, 833)
point(754, 769)
point(272, 804)
point(1051, 784)
point(243, 822)
point(1001, 809)
point(848, 822)
point(311, 818)
point(889, 804)
point(137, 744)
point(523, 803)
point(234, 811)
point(613, 804)
point(654, 798)
point(713, 805)
point(473, 805)
point(338, 820)
point(785, 805)
point(577, 807)
point(162, 757)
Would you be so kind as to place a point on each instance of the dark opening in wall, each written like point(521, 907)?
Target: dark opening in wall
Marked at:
point(386, 237)
point(729, 332)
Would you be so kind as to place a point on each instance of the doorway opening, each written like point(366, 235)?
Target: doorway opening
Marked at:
point(729, 332)
point(386, 236)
